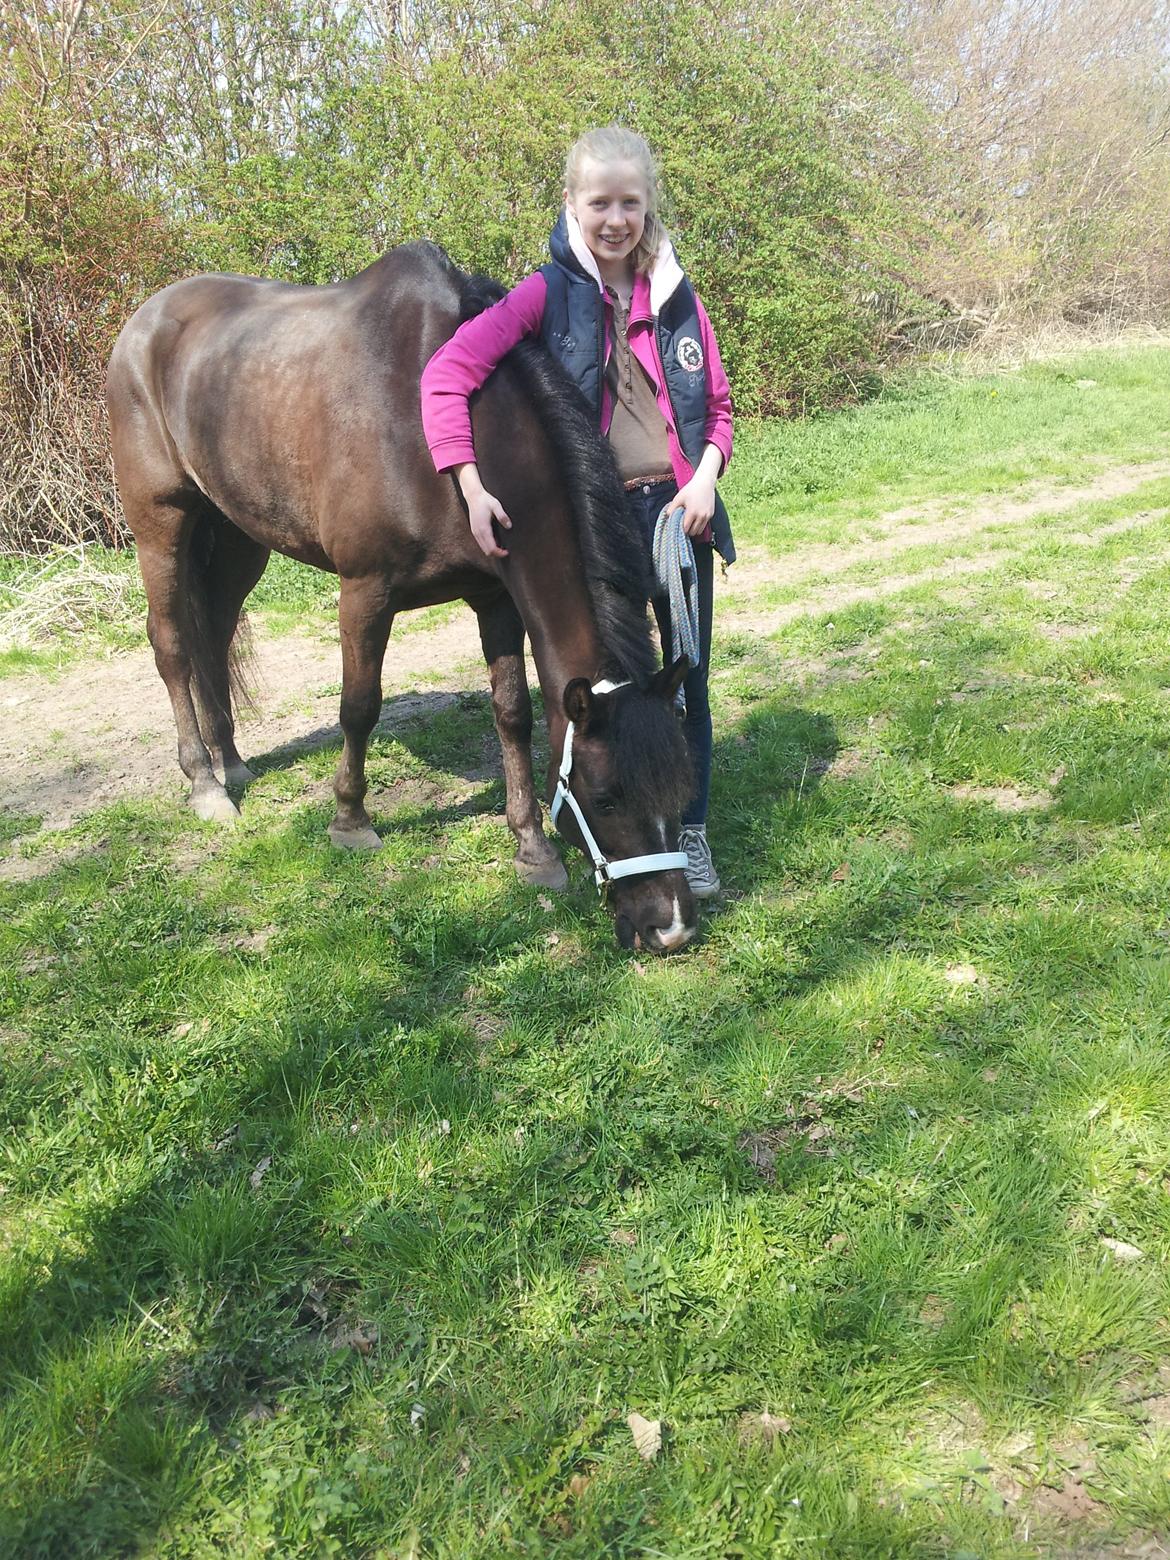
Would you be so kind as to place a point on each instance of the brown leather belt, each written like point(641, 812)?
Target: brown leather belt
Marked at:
point(641, 482)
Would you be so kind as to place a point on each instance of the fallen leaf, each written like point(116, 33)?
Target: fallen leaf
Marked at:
point(990, 1074)
point(962, 974)
point(418, 1414)
point(760, 1155)
point(1122, 1250)
point(552, 939)
point(764, 1427)
point(639, 968)
point(544, 902)
point(578, 1484)
point(623, 1237)
point(1057, 776)
point(232, 1135)
point(360, 1336)
point(413, 1548)
point(180, 1030)
point(840, 874)
point(647, 1435)
point(260, 1172)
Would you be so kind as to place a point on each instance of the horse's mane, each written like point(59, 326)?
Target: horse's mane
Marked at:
point(616, 559)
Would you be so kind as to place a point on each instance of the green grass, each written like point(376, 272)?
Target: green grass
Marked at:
point(350, 1205)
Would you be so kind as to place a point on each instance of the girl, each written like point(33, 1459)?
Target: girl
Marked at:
point(615, 308)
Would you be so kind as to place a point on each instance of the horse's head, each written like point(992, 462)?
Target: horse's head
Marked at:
point(625, 776)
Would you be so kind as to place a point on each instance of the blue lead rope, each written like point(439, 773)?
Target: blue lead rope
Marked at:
point(674, 566)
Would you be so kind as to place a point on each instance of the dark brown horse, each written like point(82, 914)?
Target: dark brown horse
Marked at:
point(251, 415)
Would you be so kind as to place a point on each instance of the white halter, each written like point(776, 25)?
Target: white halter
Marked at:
point(606, 871)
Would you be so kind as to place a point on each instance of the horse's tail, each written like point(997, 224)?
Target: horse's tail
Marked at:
point(207, 622)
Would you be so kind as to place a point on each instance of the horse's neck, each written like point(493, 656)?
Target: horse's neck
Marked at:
point(554, 602)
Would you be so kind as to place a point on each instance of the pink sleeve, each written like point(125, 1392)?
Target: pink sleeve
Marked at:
point(462, 364)
point(718, 429)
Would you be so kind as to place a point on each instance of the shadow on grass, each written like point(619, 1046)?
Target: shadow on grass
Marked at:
point(272, 1216)
point(432, 726)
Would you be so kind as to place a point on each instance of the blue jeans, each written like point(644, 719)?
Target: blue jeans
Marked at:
point(643, 506)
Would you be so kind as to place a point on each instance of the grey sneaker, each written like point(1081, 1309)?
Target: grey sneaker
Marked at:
point(700, 869)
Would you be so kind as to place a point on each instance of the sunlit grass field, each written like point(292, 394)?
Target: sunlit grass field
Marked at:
point(350, 1205)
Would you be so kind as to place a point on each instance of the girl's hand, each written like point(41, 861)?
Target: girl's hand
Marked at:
point(482, 508)
point(698, 502)
point(481, 511)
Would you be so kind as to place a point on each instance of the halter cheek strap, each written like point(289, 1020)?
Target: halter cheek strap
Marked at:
point(605, 871)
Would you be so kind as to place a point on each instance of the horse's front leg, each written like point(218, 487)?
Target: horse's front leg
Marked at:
point(364, 618)
point(501, 632)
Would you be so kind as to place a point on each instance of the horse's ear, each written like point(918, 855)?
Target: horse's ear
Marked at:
point(579, 702)
point(666, 683)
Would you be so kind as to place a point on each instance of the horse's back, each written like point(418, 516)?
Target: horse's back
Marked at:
point(242, 314)
point(292, 408)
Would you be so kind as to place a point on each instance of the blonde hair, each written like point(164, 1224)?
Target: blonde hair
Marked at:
point(613, 144)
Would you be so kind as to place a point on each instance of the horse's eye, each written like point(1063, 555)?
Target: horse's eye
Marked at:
point(605, 804)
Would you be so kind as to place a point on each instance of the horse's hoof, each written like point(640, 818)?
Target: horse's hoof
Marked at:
point(214, 806)
point(354, 839)
point(544, 874)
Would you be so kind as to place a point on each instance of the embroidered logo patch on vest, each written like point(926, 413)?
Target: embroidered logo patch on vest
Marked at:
point(689, 354)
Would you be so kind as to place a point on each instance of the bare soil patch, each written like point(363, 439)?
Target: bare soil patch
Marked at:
point(102, 731)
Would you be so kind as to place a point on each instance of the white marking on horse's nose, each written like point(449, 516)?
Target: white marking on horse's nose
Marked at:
point(678, 933)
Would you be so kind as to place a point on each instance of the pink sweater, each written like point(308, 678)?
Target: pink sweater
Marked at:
point(462, 364)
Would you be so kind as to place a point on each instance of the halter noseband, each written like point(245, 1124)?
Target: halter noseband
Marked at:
point(605, 871)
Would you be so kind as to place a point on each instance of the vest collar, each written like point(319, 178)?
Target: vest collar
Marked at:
point(665, 277)
point(568, 246)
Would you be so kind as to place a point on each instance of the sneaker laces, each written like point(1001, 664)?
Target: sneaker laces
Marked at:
point(693, 839)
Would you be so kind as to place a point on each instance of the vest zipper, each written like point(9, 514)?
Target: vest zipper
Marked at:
point(601, 343)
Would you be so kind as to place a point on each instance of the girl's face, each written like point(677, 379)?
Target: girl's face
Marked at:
point(610, 204)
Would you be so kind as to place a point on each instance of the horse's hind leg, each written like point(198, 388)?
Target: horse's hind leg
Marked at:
point(364, 618)
point(501, 632)
point(164, 528)
point(235, 565)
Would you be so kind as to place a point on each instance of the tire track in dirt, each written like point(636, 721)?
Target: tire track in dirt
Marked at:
point(935, 523)
point(744, 613)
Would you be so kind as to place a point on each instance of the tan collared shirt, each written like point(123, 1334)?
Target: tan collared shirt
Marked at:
point(637, 430)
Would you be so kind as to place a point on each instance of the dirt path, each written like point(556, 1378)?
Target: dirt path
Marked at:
point(102, 731)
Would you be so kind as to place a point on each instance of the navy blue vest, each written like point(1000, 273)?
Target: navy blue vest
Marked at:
point(573, 329)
